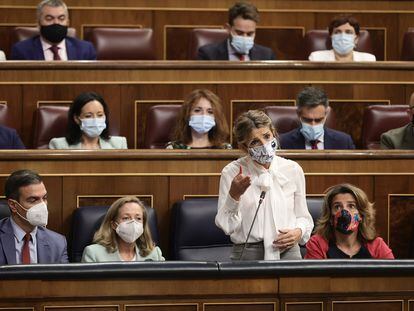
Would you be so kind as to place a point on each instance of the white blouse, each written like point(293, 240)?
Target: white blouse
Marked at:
point(284, 206)
point(329, 56)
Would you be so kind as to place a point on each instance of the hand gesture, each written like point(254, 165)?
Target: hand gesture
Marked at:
point(239, 185)
point(287, 238)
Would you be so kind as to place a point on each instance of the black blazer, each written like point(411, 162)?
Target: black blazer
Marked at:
point(332, 140)
point(218, 51)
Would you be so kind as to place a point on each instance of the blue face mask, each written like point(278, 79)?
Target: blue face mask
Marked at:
point(242, 44)
point(93, 127)
point(312, 132)
point(202, 123)
point(343, 43)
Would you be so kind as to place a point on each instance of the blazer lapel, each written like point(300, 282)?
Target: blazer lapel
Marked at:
point(299, 139)
point(70, 49)
point(223, 53)
point(38, 49)
point(253, 53)
point(7, 240)
point(43, 247)
point(329, 140)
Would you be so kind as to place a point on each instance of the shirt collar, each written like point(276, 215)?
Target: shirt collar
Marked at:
point(46, 46)
point(19, 233)
point(230, 48)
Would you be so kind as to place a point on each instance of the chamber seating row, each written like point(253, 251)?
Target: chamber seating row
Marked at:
point(194, 235)
point(50, 122)
point(139, 43)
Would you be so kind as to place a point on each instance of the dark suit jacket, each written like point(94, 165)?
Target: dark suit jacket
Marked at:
point(31, 49)
point(9, 139)
point(399, 138)
point(51, 246)
point(332, 140)
point(218, 51)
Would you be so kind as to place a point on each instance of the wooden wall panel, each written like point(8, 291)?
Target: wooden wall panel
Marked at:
point(394, 198)
point(12, 96)
point(368, 305)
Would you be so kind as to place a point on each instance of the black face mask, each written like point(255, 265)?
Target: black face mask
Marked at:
point(54, 33)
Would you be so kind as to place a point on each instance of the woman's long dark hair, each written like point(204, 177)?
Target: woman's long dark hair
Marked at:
point(73, 131)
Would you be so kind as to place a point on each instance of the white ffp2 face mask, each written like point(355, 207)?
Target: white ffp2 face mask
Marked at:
point(37, 215)
point(130, 230)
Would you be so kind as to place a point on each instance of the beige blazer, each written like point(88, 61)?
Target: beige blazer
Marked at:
point(98, 253)
point(329, 56)
point(2, 55)
point(114, 142)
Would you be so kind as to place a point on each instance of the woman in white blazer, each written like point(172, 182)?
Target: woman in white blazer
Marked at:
point(2, 56)
point(344, 32)
point(124, 235)
point(88, 126)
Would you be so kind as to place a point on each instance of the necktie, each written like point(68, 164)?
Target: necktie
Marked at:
point(55, 51)
point(242, 57)
point(26, 249)
point(314, 144)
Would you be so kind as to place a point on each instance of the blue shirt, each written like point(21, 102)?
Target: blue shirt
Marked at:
point(19, 234)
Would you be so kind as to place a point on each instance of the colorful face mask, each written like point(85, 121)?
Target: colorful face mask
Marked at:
point(345, 222)
point(265, 153)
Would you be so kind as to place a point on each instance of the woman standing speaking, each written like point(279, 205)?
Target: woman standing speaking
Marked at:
point(273, 230)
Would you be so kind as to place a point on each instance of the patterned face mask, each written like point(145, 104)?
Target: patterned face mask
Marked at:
point(345, 222)
point(265, 153)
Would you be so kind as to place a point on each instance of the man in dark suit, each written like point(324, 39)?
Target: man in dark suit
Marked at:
point(240, 46)
point(53, 42)
point(9, 139)
point(312, 105)
point(402, 137)
point(24, 238)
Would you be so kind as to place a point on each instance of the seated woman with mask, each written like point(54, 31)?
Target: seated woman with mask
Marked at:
point(88, 126)
point(344, 33)
point(124, 235)
point(201, 123)
point(261, 177)
point(346, 228)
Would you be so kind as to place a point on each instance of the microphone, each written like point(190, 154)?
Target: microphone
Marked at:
point(263, 182)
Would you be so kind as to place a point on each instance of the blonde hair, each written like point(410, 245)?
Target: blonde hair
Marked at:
point(247, 122)
point(218, 135)
point(366, 229)
point(106, 235)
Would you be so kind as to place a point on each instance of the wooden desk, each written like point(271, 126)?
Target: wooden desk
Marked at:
point(210, 286)
point(160, 178)
point(131, 88)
